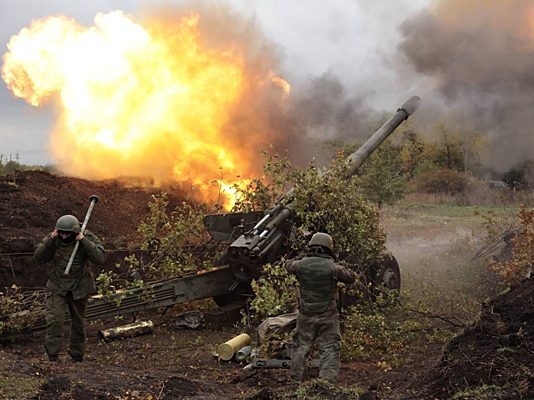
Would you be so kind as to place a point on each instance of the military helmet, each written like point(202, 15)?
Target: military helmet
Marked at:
point(68, 223)
point(322, 239)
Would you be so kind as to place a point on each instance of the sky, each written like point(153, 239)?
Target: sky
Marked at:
point(355, 40)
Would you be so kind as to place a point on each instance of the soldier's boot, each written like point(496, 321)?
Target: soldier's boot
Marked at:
point(76, 349)
point(328, 376)
point(298, 360)
point(75, 357)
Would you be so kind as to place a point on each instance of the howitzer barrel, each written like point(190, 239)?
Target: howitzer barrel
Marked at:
point(357, 158)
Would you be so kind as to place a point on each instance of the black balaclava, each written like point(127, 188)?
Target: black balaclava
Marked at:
point(69, 238)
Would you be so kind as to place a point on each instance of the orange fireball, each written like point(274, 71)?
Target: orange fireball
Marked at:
point(140, 100)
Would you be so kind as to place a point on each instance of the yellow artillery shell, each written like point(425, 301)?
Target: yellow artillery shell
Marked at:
point(227, 350)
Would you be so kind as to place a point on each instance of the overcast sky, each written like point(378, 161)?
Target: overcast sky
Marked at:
point(354, 39)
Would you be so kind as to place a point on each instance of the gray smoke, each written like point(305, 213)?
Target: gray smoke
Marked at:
point(480, 57)
point(326, 114)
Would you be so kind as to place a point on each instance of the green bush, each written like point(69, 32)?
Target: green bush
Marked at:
point(382, 178)
point(322, 200)
point(512, 270)
point(20, 310)
point(376, 330)
point(331, 203)
point(441, 181)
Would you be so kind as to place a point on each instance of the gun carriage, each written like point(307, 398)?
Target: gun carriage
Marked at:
point(248, 251)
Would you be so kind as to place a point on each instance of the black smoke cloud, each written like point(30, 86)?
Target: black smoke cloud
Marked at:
point(480, 57)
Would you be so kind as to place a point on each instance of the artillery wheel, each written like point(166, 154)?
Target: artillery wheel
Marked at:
point(383, 275)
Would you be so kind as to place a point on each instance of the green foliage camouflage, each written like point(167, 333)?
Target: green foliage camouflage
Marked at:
point(24, 309)
point(322, 200)
point(176, 239)
point(276, 293)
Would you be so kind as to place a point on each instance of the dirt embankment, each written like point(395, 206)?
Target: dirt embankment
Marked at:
point(31, 202)
point(494, 358)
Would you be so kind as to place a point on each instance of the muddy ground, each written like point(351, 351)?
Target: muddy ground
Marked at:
point(172, 364)
point(494, 355)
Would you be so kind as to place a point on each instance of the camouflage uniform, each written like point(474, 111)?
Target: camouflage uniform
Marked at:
point(318, 320)
point(68, 291)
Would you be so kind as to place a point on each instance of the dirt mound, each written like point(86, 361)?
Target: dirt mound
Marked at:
point(54, 388)
point(31, 202)
point(176, 388)
point(494, 358)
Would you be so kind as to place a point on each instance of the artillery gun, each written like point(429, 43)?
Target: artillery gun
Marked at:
point(266, 241)
point(249, 249)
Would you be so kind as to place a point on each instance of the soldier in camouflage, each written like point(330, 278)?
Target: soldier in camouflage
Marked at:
point(318, 319)
point(68, 291)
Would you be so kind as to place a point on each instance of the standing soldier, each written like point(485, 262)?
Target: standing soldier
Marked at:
point(68, 291)
point(318, 319)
